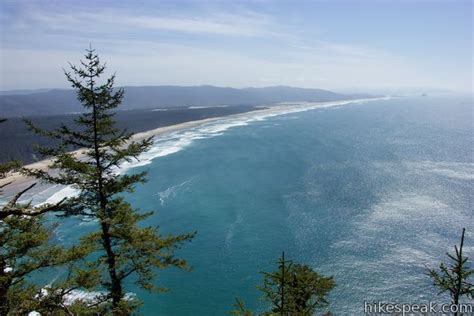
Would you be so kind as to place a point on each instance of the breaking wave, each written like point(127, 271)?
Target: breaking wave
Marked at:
point(173, 142)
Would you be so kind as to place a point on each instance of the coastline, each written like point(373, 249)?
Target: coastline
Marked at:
point(19, 182)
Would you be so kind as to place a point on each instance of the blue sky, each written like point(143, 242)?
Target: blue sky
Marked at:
point(340, 45)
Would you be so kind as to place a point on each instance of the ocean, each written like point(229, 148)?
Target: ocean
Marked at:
point(372, 192)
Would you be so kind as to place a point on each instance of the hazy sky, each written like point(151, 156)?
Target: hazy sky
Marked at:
point(324, 44)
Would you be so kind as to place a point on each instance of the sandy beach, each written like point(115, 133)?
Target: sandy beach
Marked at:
point(18, 182)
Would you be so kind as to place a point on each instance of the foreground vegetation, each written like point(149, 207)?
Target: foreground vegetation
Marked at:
point(455, 276)
point(294, 289)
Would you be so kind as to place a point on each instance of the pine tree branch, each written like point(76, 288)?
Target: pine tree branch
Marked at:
point(13, 209)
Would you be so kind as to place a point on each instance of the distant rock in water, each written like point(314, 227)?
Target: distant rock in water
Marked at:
point(63, 101)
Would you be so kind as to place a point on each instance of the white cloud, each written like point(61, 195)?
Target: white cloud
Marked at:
point(242, 48)
point(246, 24)
point(151, 63)
point(229, 25)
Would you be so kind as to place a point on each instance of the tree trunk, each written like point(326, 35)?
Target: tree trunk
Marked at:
point(115, 283)
point(116, 286)
point(457, 291)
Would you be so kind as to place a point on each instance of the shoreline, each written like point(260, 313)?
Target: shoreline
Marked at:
point(19, 182)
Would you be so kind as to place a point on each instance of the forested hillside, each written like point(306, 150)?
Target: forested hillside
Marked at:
point(58, 101)
point(17, 142)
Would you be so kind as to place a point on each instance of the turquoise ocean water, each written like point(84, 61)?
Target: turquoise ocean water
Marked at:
point(372, 193)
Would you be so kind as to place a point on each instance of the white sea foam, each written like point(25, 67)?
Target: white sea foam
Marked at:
point(76, 295)
point(207, 106)
point(230, 233)
point(89, 297)
point(65, 192)
point(174, 142)
point(88, 222)
point(170, 192)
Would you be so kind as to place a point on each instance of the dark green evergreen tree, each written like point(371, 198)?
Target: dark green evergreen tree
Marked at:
point(294, 289)
point(6, 167)
point(240, 309)
point(122, 247)
point(26, 247)
point(455, 277)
